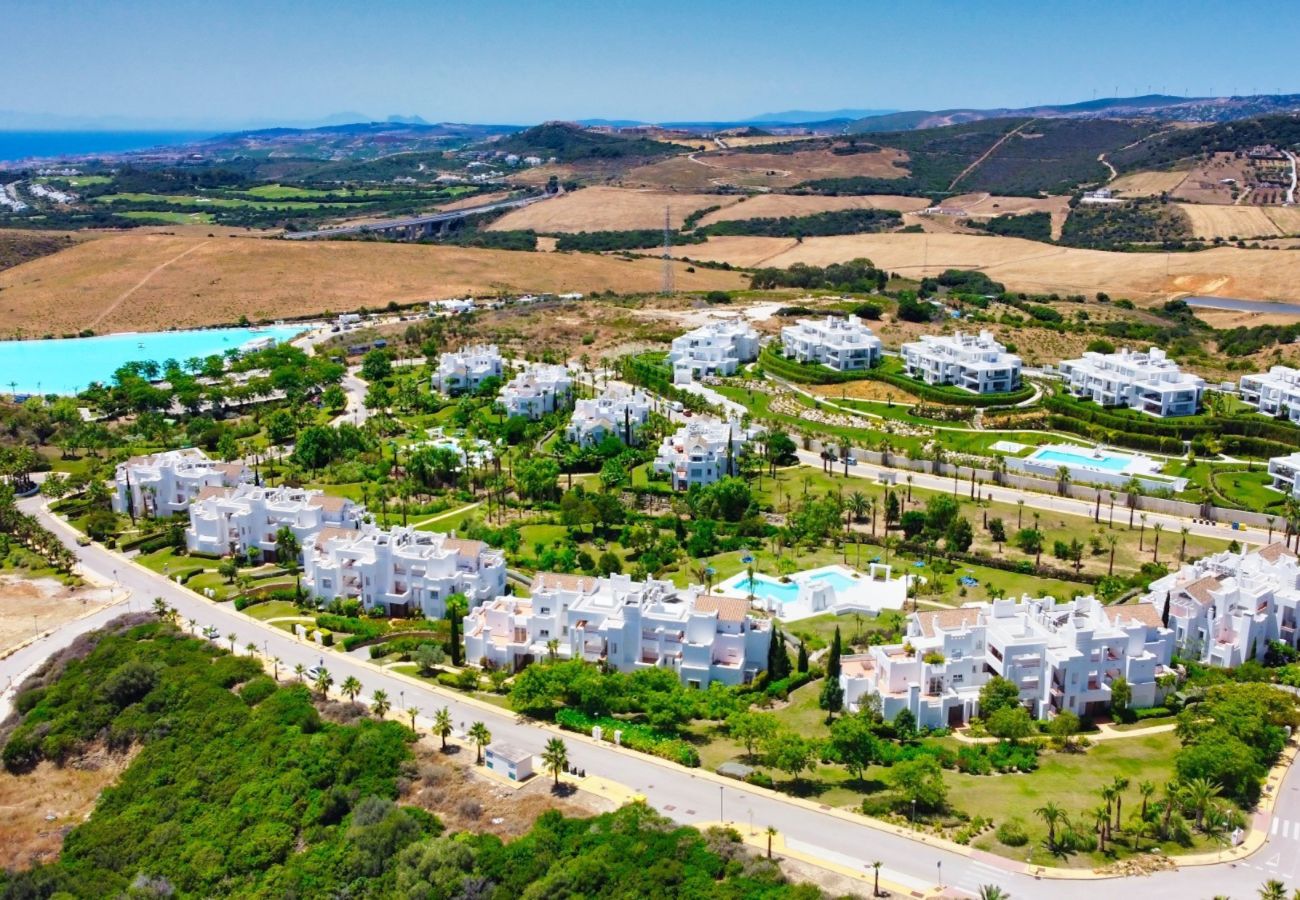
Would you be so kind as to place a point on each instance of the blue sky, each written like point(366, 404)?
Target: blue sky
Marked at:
point(226, 62)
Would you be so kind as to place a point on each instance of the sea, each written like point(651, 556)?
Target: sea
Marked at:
point(16, 145)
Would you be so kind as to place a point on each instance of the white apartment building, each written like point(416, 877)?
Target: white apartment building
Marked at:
point(1227, 608)
point(1274, 393)
point(626, 624)
point(842, 344)
point(465, 369)
point(1062, 655)
point(539, 390)
point(226, 520)
point(1149, 382)
point(1283, 471)
point(165, 484)
point(714, 349)
point(702, 452)
point(402, 571)
point(974, 362)
point(617, 412)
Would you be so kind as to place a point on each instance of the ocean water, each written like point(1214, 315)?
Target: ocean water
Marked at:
point(15, 145)
point(69, 365)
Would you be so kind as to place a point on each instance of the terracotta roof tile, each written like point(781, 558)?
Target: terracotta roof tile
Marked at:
point(325, 535)
point(329, 503)
point(1199, 590)
point(560, 582)
point(1275, 551)
point(729, 609)
point(1145, 613)
point(947, 619)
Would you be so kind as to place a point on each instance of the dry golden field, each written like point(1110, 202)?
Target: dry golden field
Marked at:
point(1030, 266)
point(719, 168)
point(777, 205)
point(608, 209)
point(1241, 222)
point(1146, 184)
point(148, 282)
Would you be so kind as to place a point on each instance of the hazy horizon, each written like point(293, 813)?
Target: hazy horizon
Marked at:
point(190, 65)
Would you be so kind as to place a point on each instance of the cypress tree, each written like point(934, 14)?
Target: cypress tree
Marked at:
point(802, 664)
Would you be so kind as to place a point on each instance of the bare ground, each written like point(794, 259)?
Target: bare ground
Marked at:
point(609, 209)
point(32, 605)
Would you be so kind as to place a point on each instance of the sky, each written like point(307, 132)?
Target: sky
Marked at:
point(239, 62)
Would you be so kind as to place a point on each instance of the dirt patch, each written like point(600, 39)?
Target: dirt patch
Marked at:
point(608, 209)
point(38, 809)
point(223, 279)
point(1244, 222)
point(32, 605)
point(18, 247)
point(1147, 184)
point(864, 390)
point(766, 171)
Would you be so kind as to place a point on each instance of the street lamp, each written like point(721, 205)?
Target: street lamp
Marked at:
point(939, 865)
point(914, 814)
point(721, 817)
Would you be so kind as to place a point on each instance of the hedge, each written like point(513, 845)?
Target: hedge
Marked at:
point(1023, 567)
point(634, 736)
point(1184, 428)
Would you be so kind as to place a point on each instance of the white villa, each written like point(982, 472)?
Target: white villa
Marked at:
point(1227, 608)
point(974, 362)
point(401, 570)
point(165, 484)
point(226, 520)
point(714, 349)
point(465, 369)
point(618, 412)
point(842, 344)
point(626, 624)
point(539, 390)
point(1274, 393)
point(1149, 382)
point(1283, 469)
point(1062, 655)
point(702, 452)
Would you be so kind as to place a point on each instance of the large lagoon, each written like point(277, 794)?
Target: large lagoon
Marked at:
point(70, 365)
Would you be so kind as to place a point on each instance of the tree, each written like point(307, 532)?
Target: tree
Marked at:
point(751, 728)
point(832, 695)
point(998, 693)
point(1121, 695)
point(1052, 816)
point(351, 687)
point(998, 533)
point(771, 833)
point(287, 546)
point(778, 660)
point(960, 535)
point(299, 670)
point(993, 892)
point(555, 758)
point(791, 753)
point(801, 663)
point(1030, 541)
point(428, 657)
point(228, 569)
point(479, 734)
point(1063, 727)
point(875, 888)
point(457, 607)
point(376, 366)
point(324, 681)
point(920, 781)
point(854, 744)
point(380, 704)
point(1119, 785)
point(442, 726)
point(1010, 723)
point(1272, 890)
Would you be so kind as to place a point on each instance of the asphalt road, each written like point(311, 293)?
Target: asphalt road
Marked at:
point(680, 793)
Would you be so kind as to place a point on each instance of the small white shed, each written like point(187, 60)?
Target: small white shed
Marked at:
point(508, 760)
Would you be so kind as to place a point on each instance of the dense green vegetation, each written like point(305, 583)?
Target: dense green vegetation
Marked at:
point(569, 143)
point(1053, 156)
point(1121, 226)
point(844, 221)
point(241, 788)
point(1226, 137)
point(636, 239)
point(858, 275)
point(1034, 226)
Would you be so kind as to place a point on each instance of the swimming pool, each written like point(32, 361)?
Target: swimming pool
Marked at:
point(769, 590)
point(68, 366)
point(1105, 461)
point(836, 579)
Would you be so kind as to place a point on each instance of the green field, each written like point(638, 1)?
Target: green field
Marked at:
point(179, 218)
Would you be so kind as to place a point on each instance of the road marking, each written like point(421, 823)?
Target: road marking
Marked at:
point(1286, 829)
point(1273, 861)
point(1273, 830)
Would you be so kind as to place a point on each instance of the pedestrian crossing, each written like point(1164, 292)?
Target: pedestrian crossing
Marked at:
point(1285, 829)
point(977, 874)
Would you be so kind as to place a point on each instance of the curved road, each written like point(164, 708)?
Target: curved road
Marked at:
point(689, 797)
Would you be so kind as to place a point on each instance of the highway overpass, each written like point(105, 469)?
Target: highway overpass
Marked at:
point(414, 227)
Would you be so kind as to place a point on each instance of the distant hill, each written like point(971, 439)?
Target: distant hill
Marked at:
point(1162, 107)
point(1164, 150)
point(804, 116)
point(569, 142)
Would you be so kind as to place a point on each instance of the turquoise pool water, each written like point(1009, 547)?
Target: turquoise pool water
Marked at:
point(1064, 458)
point(788, 593)
point(68, 366)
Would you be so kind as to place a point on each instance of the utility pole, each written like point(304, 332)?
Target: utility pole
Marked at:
point(668, 253)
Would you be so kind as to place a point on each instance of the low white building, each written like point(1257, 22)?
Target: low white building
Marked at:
point(537, 391)
point(714, 349)
point(1149, 382)
point(1283, 469)
point(702, 452)
point(246, 517)
point(1274, 393)
point(973, 362)
point(508, 760)
point(465, 369)
point(1062, 655)
point(164, 484)
point(617, 412)
point(1227, 608)
point(842, 344)
point(402, 571)
point(628, 625)
point(452, 307)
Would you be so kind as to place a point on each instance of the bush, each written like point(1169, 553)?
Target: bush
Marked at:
point(634, 736)
point(1012, 833)
point(257, 690)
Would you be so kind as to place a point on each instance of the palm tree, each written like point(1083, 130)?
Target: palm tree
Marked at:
point(1146, 789)
point(479, 734)
point(442, 725)
point(993, 892)
point(875, 890)
point(857, 504)
point(1272, 890)
point(1052, 815)
point(771, 833)
point(1111, 540)
point(1062, 479)
point(1200, 794)
point(324, 681)
point(232, 637)
point(351, 687)
point(1101, 821)
point(275, 666)
point(555, 758)
point(1020, 513)
point(1120, 785)
point(380, 704)
point(1155, 547)
point(1182, 551)
point(299, 670)
point(1142, 533)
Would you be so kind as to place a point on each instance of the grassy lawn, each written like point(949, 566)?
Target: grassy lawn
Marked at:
point(275, 609)
point(1250, 490)
point(819, 631)
point(180, 218)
